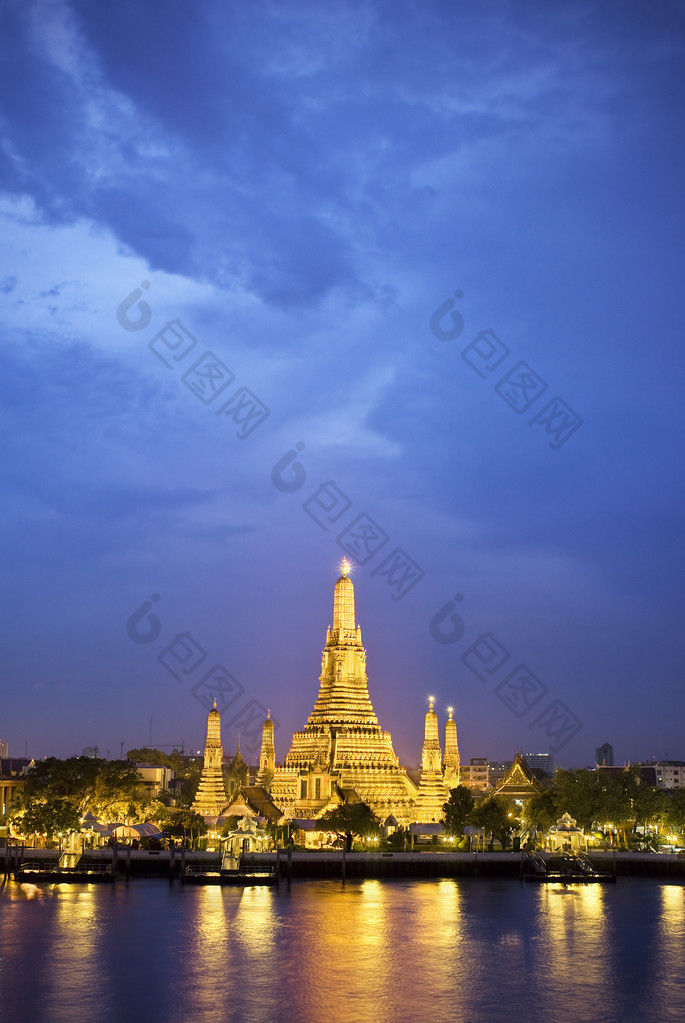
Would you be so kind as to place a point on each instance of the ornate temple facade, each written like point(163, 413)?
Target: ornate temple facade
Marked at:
point(267, 756)
point(210, 798)
point(433, 792)
point(342, 752)
point(451, 765)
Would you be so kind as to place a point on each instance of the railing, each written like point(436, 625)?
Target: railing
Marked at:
point(40, 867)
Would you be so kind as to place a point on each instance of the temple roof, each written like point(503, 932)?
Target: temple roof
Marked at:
point(519, 781)
point(257, 800)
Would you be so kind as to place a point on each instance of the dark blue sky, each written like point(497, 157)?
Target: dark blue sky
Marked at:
point(303, 188)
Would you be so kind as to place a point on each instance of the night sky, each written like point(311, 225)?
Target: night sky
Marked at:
point(286, 281)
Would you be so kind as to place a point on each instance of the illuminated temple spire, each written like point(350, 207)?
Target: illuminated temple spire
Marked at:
point(210, 798)
point(343, 694)
point(267, 755)
point(432, 792)
point(343, 604)
point(451, 762)
point(342, 746)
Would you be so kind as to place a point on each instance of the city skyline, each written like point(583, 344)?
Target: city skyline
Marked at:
point(286, 284)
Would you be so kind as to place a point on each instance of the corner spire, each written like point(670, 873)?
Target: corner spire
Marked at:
point(343, 601)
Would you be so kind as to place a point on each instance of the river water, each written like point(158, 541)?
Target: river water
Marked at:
point(487, 950)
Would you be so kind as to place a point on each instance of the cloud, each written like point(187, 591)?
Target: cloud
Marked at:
point(195, 142)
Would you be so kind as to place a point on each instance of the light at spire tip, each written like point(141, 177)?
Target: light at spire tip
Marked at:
point(345, 567)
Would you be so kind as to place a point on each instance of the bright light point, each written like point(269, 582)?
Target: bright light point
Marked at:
point(345, 567)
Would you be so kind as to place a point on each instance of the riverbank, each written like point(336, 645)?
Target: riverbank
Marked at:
point(335, 864)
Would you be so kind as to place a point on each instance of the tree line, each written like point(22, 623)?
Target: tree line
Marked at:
point(59, 793)
point(621, 804)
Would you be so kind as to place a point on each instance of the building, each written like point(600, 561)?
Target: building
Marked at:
point(451, 765)
point(342, 754)
point(604, 755)
point(476, 774)
point(497, 770)
point(433, 793)
point(267, 755)
point(210, 798)
point(519, 782)
point(646, 774)
point(154, 780)
point(540, 763)
point(4, 750)
point(236, 773)
point(342, 748)
point(670, 774)
point(12, 780)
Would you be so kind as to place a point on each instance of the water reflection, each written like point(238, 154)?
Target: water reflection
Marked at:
point(668, 983)
point(572, 924)
point(321, 951)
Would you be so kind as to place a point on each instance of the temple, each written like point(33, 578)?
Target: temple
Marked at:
point(342, 748)
point(451, 764)
point(210, 798)
point(433, 793)
point(342, 754)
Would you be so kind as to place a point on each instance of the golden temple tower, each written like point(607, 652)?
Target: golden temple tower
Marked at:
point(210, 798)
point(267, 756)
point(432, 790)
point(342, 746)
point(451, 763)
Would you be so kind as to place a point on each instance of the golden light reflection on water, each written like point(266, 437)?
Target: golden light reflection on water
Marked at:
point(321, 952)
point(228, 954)
point(74, 945)
point(671, 936)
point(573, 921)
point(203, 965)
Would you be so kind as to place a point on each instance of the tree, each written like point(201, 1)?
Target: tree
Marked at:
point(149, 755)
point(34, 816)
point(116, 782)
point(492, 814)
point(183, 824)
point(674, 810)
point(350, 819)
point(457, 809)
point(88, 783)
point(582, 794)
point(105, 787)
point(541, 811)
point(73, 779)
point(650, 804)
point(230, 824)
point(189, 772)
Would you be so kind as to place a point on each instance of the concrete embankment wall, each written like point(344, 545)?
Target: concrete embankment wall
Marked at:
point(141, 863)
point(427, 864)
